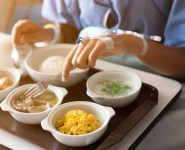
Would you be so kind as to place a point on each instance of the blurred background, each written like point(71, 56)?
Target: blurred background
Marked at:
point(13, 10)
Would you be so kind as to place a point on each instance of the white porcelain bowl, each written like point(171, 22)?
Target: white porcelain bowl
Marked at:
point(94, 90)
point(14, 75)
point(31, 118)
point(103, 114)
point(34, 60)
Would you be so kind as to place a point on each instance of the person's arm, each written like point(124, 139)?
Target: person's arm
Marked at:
point(168, 61)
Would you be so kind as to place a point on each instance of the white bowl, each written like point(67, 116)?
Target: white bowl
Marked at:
point(12, 73)
point(128, 78)
point(34, 60)
point(31, 118)
point(102, 113)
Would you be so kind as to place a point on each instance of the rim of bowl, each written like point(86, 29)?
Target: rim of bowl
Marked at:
point(45, 49)
point(69, 104)
point(104, 73)
point(20, 89)
point(17, 76)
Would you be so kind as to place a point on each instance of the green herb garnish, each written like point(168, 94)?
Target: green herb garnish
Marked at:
point(114, 88)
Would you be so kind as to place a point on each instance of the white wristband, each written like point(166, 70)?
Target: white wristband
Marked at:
point(109, 43)
point(142, 37)
point(145, 47)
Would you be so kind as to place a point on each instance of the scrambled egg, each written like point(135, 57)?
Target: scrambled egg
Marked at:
point(5, 82)
point(77, 122)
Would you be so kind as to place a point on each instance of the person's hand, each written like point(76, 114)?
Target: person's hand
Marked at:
point(84, 55)
point(25, 31)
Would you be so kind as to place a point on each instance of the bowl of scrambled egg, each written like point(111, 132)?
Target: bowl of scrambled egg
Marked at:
point(78, 123)
point(9, 80)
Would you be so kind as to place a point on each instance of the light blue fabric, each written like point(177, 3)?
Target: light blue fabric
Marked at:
point(152, 17)
point(174, 33)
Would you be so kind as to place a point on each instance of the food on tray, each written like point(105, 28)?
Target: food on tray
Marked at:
point(5, 82)
point(40, 103)
point(77, 122)
point(52, 65)
point(113, 88)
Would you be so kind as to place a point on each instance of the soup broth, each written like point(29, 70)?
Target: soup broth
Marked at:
point(40, 103)
point(113, 88)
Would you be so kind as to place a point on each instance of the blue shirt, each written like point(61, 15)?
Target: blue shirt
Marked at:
point(165, 18)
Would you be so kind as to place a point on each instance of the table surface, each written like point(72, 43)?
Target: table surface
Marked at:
point(167, 88)
point(165, 97)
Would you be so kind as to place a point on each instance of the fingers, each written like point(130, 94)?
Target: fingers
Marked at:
point(68, 66)
point(83, 55)
point(25, 31)
point(83, 58)
point(16, 32)
point(79, 50)
point(87, 53)
point(96, 52)
point(30, 38)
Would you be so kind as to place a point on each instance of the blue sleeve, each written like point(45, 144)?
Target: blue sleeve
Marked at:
point(81, 13)
point(174, 34)
point(93, 12)
point(58, 11)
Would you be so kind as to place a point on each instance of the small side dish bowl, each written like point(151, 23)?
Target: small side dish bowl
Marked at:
point(114, 88)
point(102, 113)
point(31, 117)
point(49, 58)
point(11, 74)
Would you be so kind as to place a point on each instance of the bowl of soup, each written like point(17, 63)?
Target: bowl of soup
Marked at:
point(114, 88)
point(78, 123)
point(32, 110)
